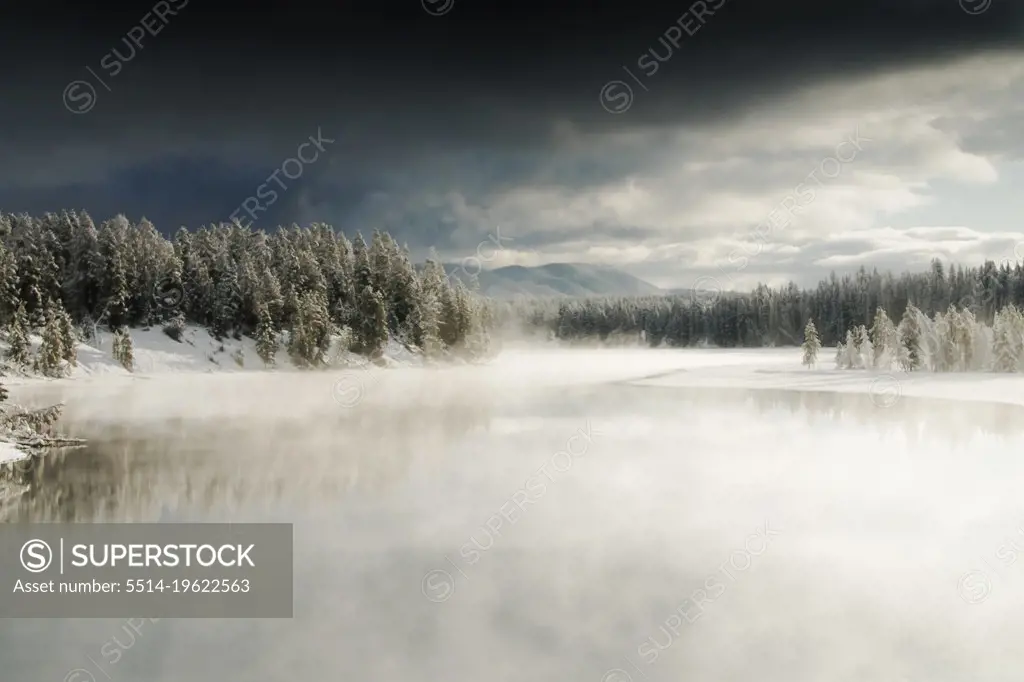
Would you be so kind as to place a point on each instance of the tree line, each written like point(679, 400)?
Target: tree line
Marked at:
point(300, 289)
point(769, 316)
point(950, 341)
point(308, 289)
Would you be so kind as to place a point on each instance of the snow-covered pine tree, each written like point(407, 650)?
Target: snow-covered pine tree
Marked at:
point(448, 322)
point(468, 337)
point(403, 293)
point(28, 247)
point(269, 294)
point(427, 333)
point(296, 344)
point(306, 274)
point(852, 351)
point(8, 285)
point(476, 341)
point(113, 245)
point(49, 361)
point(20, 351)
point(68, 336)
point(1013, 324)
point(863, 355)
point(249, 293)
point(811, 345)
point(310, 339)
point(115, 344)
point(227, 298)
point(266, 337)
point(197, 282)
point(840, 358)
point(1004, 350)
point(380, 256)
point(362, 275)
point(910, 339)
point(964, 328)
point(371, 333)
point(123, 349)
point(942, 348)
point(83, 279)
point(289, 305)
point(892, 344)
point(884, 339)
point(149, 253)
point(981, 345)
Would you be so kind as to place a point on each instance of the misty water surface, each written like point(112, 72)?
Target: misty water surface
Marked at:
point(833, 538)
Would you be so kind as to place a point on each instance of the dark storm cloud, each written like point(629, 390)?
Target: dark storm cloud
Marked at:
point(198, 105)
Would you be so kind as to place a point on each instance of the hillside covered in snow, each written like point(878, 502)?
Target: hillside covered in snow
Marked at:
point(121, 297)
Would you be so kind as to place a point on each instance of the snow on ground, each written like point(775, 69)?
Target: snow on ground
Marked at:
point(781, 368)
point(760, 368)
point(156, 353)
point(537, 366)
point(9, 453)
point(548, 365)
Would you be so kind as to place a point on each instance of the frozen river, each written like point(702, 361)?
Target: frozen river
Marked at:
point(546, 518)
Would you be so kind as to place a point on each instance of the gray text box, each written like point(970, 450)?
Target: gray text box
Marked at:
point(157, 570)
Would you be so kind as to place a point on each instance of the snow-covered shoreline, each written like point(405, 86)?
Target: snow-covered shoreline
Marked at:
point(182, 379)
point(781, 369)
point(156, 354)
point(198, 352)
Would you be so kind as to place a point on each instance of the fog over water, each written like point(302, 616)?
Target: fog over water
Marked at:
point(545, 518)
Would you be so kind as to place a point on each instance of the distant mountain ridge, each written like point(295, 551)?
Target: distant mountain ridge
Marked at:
point(556, 280)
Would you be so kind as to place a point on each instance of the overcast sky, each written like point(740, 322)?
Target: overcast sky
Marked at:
point(742, 140)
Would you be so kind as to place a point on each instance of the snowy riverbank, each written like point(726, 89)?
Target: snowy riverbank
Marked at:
point(780, 369)
point(155, 353)
point(158, 355)
point(198, 352)
point(200, 375)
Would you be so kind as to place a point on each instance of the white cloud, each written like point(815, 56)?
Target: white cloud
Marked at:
point(697, 192)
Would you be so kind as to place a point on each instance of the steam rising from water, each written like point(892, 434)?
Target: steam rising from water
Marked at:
point(413, 559)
